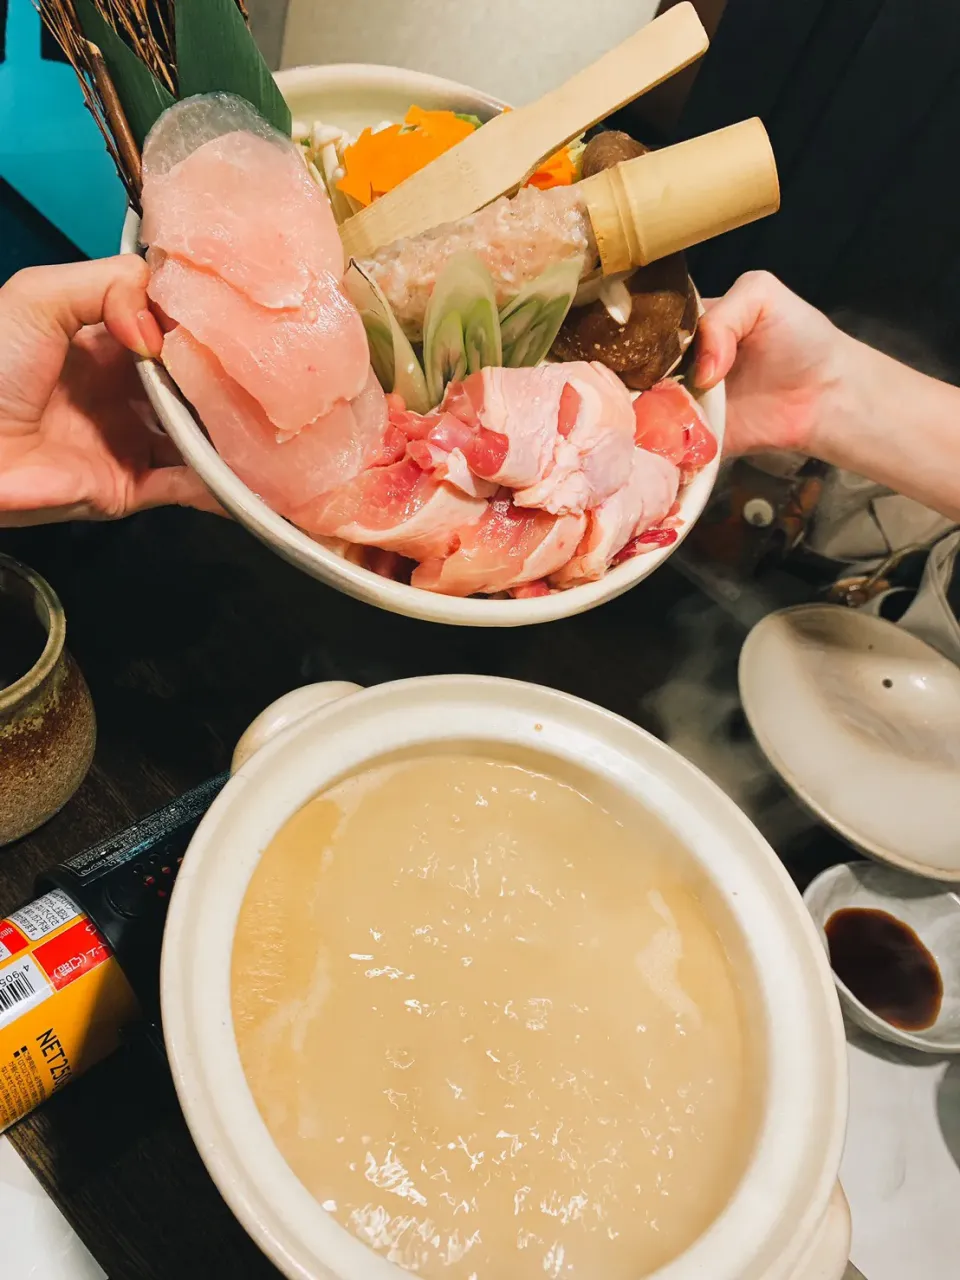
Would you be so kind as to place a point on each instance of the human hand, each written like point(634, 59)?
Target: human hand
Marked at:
point(783, 361)
point(74, 436)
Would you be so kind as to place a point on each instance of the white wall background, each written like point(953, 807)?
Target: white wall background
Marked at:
point(267, 21)
point(514, 49)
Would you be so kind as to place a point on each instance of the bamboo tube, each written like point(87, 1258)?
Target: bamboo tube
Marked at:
point(668, 200)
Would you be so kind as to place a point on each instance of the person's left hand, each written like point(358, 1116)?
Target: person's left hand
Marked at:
point(75, 434)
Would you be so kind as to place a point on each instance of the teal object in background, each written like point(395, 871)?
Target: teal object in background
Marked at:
point(51, 151)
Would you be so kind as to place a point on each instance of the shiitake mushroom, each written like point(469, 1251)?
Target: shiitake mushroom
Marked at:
point(664, 305)
point(660, 327)
point(607, 149)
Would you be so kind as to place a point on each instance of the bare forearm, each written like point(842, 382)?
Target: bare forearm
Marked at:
point(898, 427)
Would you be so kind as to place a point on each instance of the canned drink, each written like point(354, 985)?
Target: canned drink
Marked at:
point(81, 962)
point(63, 1001)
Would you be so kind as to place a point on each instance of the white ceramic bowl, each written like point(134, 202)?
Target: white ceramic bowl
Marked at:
point(786, 1219)
point(862, 720)
point(930, 909)
point(354, 97)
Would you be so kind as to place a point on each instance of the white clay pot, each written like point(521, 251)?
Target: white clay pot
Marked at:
point(787, 1219)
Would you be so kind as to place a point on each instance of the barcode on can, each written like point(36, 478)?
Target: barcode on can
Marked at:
point(23, 984)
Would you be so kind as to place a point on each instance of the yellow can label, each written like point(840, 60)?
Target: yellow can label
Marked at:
point(63, 1002)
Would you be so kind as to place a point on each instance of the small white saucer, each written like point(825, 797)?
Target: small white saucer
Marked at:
point(931, 910)
point(862, 720)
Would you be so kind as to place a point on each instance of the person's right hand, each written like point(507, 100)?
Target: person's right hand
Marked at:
point(782, 360)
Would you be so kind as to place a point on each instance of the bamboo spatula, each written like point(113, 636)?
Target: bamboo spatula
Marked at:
point(500, 156)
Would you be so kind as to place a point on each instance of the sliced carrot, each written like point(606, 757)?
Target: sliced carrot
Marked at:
point(556, 171)
point(445, 126)
point(378, 162)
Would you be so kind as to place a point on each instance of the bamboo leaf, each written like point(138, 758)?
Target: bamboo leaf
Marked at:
point(141, 94)
point(215, 51)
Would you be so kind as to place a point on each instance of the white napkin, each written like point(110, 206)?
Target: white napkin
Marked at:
point(930, 617)
point(859, 522)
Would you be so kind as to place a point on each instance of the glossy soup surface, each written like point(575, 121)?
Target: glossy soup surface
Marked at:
point(491, 1026)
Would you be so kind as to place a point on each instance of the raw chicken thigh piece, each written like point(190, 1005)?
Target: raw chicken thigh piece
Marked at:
point(594, 453)
point(670, 422)
point(328, 452)
point(296, 363)
point(642, 502)
point(514, 414)
point(507, 548)
point(436, 443)
point(247, 209)
point(561, 434)
point(398, 508)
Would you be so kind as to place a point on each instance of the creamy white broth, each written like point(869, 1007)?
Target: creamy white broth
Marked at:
point(492, 1026)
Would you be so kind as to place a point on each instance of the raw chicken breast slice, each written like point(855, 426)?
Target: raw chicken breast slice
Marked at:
point(326, 453)
point(194, 121)
point(398, 508)
point(594, 453)
point(670, 422)
point(296, 364)
point(643, 501)
point(507, 548)
point(210, 210)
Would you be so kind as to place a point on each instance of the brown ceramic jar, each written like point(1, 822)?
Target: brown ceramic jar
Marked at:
point(47, 724)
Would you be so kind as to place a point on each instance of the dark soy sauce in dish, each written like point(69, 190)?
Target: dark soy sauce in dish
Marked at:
point(886, 966)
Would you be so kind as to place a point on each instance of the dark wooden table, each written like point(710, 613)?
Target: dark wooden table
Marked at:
point(186, 628)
